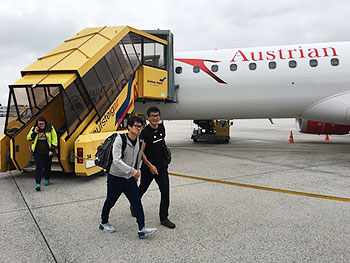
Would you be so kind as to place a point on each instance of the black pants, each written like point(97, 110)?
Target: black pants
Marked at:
point(162, 179)
point(115, 187)
point(43, 166)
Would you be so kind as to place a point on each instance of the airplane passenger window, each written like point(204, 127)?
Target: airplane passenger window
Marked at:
point(233, 67)
point(313, 63)
point(196, 69)
point(292, 64)
point(252, 66)
point(272, 65)
point(178, 70)
point(334, 62)
point(214, 68)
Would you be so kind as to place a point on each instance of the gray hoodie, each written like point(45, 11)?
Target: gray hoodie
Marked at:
point(124, 167)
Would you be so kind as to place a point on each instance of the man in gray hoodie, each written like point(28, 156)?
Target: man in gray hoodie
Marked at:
point(123, 175)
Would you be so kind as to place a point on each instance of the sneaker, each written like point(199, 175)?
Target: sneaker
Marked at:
point(107, 227)
point(47, 182)
point(132, 212)
point(37, 187)
point(146, 231)
point(167, 223)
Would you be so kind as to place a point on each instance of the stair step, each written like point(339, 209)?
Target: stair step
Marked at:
point(54, 160)
point(55, 166)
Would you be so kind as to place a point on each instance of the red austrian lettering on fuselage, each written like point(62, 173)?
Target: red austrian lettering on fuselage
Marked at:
point(200, 63)
point(295, 53)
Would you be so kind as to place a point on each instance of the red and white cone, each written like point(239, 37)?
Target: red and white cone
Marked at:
point(291, 140)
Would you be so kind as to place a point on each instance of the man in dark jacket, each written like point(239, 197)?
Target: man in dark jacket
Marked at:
point(154, 164)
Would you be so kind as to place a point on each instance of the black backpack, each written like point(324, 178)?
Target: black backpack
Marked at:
point(103, 156)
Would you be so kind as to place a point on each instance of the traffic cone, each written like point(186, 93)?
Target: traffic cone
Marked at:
point(327, 138)
point(291, 137)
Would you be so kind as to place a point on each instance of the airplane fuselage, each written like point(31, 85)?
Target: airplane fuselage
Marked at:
point(296, 81)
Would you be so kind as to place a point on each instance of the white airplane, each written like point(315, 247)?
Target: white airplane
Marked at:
point(309, 82)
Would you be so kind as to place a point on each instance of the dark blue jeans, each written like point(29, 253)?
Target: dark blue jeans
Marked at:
point(162, 180)
point(115, 187)
point(43, 166)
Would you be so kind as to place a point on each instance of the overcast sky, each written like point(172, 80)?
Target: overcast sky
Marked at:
point(31, 28)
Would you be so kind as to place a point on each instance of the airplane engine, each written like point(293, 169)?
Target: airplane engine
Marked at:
point(317, 127)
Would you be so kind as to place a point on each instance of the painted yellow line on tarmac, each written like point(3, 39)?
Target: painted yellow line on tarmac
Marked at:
point(260, 149)
point(336, 198)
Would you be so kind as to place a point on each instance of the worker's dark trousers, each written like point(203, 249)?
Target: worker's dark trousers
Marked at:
point(43, 166)
point(162, 179)
point(115, 187)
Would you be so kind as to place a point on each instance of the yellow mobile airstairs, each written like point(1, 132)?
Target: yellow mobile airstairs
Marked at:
point(86, 87)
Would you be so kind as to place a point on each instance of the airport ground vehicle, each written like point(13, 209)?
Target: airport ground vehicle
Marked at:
point(212, 130)
point(86, 87)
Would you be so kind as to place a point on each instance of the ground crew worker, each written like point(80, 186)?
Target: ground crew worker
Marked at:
point(44, 139)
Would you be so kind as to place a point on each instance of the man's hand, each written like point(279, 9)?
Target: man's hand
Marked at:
point(50, 153)
point(153, 169)
point(136, 174)
point(36, 129)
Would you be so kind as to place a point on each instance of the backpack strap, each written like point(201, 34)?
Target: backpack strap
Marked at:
point(109, 149)
point(140, 144)
point(123, 136)
point(140, 148)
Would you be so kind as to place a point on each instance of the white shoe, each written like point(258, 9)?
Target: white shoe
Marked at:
point(146, 231)
point(107, 227)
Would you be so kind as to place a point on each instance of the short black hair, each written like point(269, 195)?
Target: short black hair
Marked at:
point(40, 118)
point(152, 109)
point(132, 120)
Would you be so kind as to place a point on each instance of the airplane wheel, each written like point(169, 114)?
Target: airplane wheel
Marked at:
point(195, 140)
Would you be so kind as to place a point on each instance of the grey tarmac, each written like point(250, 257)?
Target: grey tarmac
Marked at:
point(238, 202)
